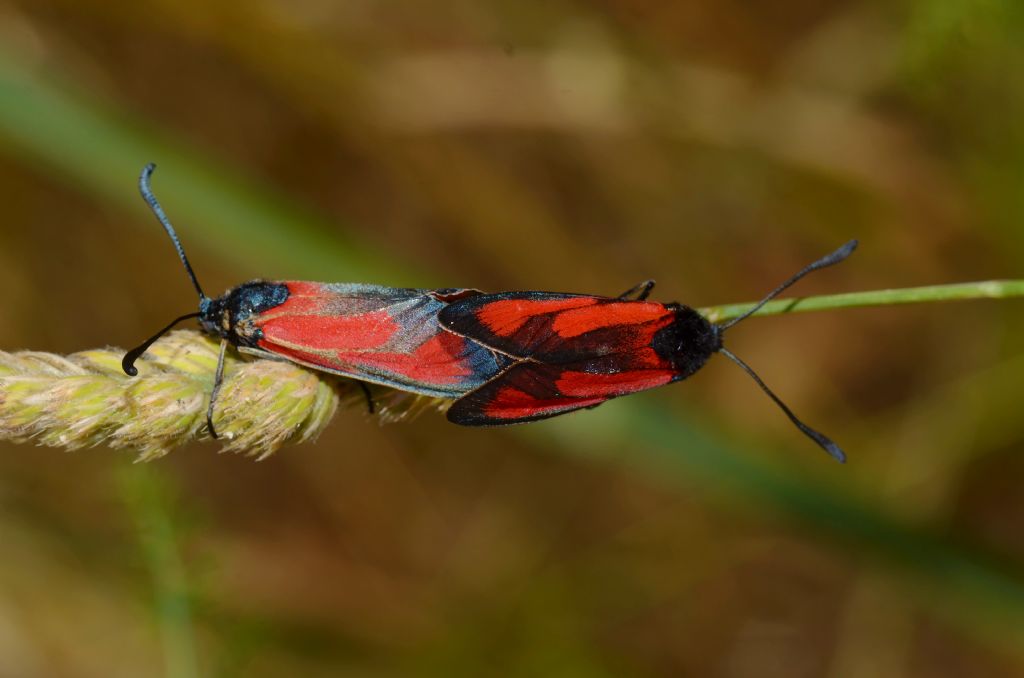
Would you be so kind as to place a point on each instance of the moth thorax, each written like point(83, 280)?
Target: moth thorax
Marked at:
point(687, 342)
point(231, 315)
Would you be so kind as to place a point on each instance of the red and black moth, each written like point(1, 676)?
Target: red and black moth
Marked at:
point(574, 351)
point(505, 358)
point(370, 333)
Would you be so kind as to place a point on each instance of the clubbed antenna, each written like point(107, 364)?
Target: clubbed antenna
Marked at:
point(826, 261)
point(824, 441)
point(128, 362)
point(147, 195)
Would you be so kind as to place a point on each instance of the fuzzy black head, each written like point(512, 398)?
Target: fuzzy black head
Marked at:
point(688, 342)
point(230, 315)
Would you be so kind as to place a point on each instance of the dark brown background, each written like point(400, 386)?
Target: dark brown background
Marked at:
point(584, 146)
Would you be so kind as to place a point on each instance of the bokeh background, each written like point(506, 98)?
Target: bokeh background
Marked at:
point(565, 145)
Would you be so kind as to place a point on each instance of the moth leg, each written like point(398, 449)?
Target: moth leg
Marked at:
point(218, 380)
point(263, 355)
point(641, 291)
point(369, 398)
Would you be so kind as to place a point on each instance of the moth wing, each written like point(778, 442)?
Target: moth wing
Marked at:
point(524, 392)
point(379, 334)
point(528, 391)
point(554, 327)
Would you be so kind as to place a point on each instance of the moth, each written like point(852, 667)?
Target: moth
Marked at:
point(574, 351)
point(504, 358)
point(370, 333)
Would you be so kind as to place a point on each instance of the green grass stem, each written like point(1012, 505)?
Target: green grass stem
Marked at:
point(988, 289)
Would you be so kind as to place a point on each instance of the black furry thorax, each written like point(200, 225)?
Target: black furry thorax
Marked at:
point(230, 315)
point(688, 341)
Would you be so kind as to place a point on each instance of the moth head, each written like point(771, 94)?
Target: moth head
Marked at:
point(688, 341)
point(228, 316)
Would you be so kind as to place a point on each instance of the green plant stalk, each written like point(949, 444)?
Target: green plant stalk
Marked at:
point(988, 289)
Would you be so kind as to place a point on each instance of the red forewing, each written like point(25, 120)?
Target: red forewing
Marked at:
point(380, 334)
point(570, 352)
point(528, 391)
point(554, 327)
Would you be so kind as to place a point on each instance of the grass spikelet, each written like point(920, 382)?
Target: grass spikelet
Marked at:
point(85, 400)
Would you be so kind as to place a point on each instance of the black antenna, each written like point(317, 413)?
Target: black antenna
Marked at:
point(829, 260)
point(147, 195)
point(824, 441)
point(128, 362)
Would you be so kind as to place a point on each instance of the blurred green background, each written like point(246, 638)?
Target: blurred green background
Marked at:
point(581, 146)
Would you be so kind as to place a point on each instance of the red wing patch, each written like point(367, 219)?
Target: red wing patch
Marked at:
point(318, 332)
point(506, 316)
point(524, 392)
point(582, 384)
point(572, 323)
point(440, 362)
point(530, 391)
